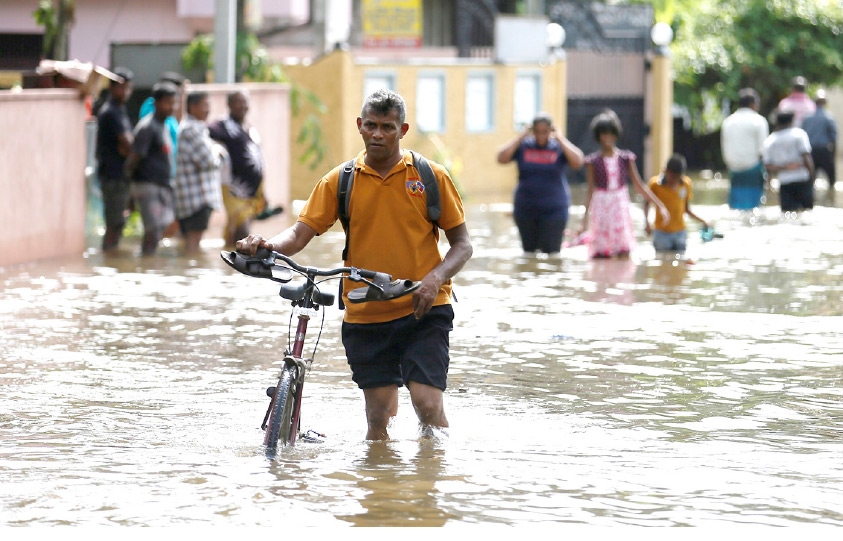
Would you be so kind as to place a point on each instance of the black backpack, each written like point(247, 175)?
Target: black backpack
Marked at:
point(428, 178)
point(346, 180)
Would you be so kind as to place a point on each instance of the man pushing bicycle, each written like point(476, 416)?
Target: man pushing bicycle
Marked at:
point(393, 226)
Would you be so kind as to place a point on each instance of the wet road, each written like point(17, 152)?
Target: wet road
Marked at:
point(640, 392)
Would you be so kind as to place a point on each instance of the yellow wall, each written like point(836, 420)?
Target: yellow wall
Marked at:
point(338, 80)
point(8, 79)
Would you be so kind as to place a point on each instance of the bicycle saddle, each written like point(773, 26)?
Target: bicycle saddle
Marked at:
point(388, 291)
point(257, 266)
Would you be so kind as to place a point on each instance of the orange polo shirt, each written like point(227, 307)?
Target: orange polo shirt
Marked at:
point(389, 229)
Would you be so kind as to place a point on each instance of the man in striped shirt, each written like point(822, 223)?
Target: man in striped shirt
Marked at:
point(197, 184)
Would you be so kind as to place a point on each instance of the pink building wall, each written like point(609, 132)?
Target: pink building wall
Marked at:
point(102, 22)
point(42, 175)
point(291, 11)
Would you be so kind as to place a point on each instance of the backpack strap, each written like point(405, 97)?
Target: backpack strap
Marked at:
point(343, 197)
point(431, 187)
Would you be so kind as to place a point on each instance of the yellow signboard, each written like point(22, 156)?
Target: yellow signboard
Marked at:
point(392, 23)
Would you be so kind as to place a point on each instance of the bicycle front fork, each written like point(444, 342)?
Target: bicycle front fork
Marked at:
point(302, 366)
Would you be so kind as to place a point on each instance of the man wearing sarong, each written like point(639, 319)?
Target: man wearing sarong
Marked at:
point(741, 140)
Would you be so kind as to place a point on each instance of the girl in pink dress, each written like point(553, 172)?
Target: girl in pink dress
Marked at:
point(608, 172)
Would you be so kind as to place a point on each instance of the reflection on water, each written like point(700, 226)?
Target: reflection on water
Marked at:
point(398, 490)
point(652, 391)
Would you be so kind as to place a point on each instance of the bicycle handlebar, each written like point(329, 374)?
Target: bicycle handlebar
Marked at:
point(264, 265)
point(269, 257)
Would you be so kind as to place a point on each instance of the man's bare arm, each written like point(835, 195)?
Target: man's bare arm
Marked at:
point(130, 165)
point(124, 143)
point(458, 254)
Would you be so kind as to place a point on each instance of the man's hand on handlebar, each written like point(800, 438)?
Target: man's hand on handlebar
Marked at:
point(424, 296)
point(252, 243)
point(288, 242)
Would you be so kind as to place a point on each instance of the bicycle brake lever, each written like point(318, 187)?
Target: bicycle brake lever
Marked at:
point(355, 276)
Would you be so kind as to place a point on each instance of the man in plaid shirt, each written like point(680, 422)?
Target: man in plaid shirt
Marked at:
point(197, 185)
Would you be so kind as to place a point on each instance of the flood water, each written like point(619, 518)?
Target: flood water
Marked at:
point(643, 392)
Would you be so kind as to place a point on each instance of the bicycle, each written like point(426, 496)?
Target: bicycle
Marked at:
point(282, 421)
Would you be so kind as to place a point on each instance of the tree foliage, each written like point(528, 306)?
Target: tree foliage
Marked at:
point(722, 46)
point(56, 17)
point(45, 16)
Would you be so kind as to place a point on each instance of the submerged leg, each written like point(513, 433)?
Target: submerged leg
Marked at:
point(381, 407)
point(429, 403)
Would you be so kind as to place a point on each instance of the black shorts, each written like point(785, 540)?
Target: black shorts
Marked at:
point(797, 196)
point(399, 351)
point(198, 221)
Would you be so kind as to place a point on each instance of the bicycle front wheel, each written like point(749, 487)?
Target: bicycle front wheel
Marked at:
point(279, 425)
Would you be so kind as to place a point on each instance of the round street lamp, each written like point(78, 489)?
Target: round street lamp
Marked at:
point(555, 37)
point(661, 34)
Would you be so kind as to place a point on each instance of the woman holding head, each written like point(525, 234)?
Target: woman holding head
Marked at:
point(542, 196)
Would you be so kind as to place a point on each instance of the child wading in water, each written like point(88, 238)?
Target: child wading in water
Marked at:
point(608, 172)
point(673, 188)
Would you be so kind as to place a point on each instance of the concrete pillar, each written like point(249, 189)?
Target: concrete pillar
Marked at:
point(662, 126)
point(225, 39)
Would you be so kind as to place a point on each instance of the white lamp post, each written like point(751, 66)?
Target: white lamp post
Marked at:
point(557, 98)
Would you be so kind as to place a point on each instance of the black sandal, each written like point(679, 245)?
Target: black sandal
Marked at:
point(389, 291)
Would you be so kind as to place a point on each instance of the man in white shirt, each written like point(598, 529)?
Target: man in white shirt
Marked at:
point(742, 137)
point(787, 156)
